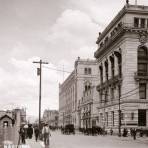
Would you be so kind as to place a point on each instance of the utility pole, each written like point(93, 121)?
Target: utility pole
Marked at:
point(135, 2)
point(39, 72)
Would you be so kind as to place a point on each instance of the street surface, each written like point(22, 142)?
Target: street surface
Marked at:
point(83, 141)
point(57, 140)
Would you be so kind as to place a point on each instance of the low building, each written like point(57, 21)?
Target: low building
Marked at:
point(6, 121)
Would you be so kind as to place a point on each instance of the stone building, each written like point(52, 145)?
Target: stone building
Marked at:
point(51, 117)
point(72, 90)
point(122, 56)
point(87, 107)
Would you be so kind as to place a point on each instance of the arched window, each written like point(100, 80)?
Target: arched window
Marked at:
point(112, 65)
point(119, 56)
point(87, 86)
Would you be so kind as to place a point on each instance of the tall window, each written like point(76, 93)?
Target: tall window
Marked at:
point(101, 118)
point(106, 119)
point(112, 93)
point(118, 55)
point(142, 91)
point(112, 66)
point(142, 53)
point(85, 71)
point(89, 70)
point(113, 118)
point(142, 69)
point(100, 94)
point(101, 74)
point(132, 116)
point(106, 96)
point(122, 116)
point(136, 22)
point(143, 23)
point(120, 66)
point(142, 61)
point(106, 70)
point(141, 117)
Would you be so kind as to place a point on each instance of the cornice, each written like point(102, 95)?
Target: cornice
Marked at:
point(136, 9)
point(125, 28)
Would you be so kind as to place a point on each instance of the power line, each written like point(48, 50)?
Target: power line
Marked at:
point(126, 92)
point(77, 74)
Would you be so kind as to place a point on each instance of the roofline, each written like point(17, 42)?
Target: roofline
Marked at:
point(6, 116)
point(120, 14)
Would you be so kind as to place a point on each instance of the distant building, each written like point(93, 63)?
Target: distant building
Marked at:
point(15, 117)
point(122, 56)
point(6, 121)
point(73, 89)
point(51, 117)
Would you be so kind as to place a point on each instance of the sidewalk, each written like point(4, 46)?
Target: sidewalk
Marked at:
point(33, 144)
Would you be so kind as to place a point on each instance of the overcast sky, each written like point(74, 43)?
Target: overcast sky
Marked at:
point(57, 31)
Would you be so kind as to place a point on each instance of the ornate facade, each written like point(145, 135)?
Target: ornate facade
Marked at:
point(72, 90)
point(122, 56)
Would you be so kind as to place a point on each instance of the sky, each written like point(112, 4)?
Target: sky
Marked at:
point(56, 31)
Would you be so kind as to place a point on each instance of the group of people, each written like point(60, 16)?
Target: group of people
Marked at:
point(27, 132)
point(133, 132)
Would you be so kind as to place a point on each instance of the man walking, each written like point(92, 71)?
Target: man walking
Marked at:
point(22, 135)
point(30, 131)
point(36, 132)
point(134, 133)
point(46, 134)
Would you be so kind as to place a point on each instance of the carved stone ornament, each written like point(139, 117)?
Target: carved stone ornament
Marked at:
point(143, 39)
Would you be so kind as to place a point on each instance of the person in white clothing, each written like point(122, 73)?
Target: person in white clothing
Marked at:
point(46, 133)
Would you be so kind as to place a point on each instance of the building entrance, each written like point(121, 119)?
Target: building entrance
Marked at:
point(141, 117)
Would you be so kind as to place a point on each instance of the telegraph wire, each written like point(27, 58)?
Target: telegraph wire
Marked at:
point(125, 93)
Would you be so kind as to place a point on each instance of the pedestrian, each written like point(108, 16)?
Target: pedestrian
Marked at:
point(22, 135)
point(111, 131)
point(25, 128)
point(141, 132)
point(36, 132)
point(131, 132)
point(30, 131)
point(46, 134)
point(125, 132)
point(134, 133)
